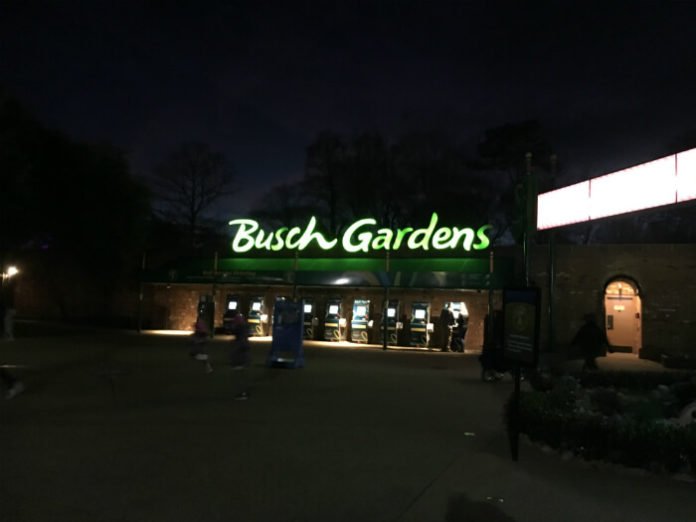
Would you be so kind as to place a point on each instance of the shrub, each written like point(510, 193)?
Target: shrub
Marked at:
point(636, 437)
point(645, 381)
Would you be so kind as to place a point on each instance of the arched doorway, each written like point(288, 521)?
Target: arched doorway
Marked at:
point(623, 315)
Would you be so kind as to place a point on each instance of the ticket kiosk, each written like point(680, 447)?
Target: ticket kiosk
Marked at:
point(286, 347)
point(257, 317)
point(360, 322)
point(309, 319)
point(333, 329)
point(420, 324)
point(231, 307)
point(391, 316)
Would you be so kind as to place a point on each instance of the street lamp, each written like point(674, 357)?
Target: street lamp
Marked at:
point(11, 271)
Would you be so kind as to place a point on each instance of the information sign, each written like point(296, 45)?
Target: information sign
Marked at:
point(521, 309)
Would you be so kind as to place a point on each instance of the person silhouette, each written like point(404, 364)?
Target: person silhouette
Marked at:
point(591, 340)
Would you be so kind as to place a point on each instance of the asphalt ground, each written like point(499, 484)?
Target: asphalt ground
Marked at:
point(118, 426)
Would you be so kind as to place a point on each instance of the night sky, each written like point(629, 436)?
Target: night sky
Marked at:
point(613, 82)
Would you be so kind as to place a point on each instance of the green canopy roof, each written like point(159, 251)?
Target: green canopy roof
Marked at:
point(466, 273)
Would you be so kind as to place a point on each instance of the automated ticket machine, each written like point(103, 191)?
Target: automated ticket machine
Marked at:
point(420, 324)
point(360, 322)
point(257, 316)
point(333, 327)
point(459, 308)
point(231, 306)
point(309, 318)
point(460, 315)
point(392, 319)
point(206, 312)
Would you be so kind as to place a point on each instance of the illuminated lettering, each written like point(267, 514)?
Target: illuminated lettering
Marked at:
point(310, 234)
point(243, 240)
point(360, 236)
point(383, 239)
point(400, 233)
point(457, 234)
point(294, 231)
point(484, 242)
point(441, 238)
point(261, 243)
point(364, 237)
point(416, 241)
point(279, 242)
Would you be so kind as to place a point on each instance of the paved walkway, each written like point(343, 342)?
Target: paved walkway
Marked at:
point(124, 427)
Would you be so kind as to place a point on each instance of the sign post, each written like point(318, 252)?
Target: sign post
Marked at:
point(520, 345)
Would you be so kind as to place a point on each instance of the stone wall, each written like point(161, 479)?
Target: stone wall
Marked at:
point(174, 306)
point(666, 277)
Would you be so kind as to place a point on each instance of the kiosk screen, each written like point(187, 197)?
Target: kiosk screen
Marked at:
point(232, 305)
point(333, 309)
point(256, 306)
point(308, 308)
point(361, 311)
point(419, 314)
point(391, 312)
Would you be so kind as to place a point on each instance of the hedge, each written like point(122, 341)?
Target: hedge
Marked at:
point(604, 424)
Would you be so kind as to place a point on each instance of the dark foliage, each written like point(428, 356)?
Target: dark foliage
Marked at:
point(596, 423)
point(70, 211)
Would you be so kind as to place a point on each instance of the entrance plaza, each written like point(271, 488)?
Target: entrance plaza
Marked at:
point(118, 426)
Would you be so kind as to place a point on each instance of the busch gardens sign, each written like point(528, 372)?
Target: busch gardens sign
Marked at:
point(361, 236)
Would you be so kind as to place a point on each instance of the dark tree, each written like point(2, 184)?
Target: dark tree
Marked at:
point(71, 210)
point(287, 204)
point(188, 182)
point(398, 184)
point(502, 157)
point(325, 171)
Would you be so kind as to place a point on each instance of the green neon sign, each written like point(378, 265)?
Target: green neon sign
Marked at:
point(360, 236)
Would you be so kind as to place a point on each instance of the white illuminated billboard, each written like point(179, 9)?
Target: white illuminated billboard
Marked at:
point(564, 206)
point(648, 185)
point(686, 175)
point(665, 181)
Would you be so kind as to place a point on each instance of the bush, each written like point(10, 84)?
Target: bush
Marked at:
point(645, 381)
point(602, 425)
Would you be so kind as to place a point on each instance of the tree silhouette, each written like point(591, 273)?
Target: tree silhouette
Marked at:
point(70, 210)
point(502, 156)
point(188, 182)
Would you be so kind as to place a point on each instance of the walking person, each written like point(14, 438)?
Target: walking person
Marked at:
point(240, 356)
point(13, 385)
point(199, 350)
point(591, 341)
point(459, 333)
point(446, 321)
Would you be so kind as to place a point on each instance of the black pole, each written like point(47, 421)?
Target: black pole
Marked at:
point(294, 274)
point(515, 416)
point(488, 334)
point(141, 290)
point(552, 285)
point(552, 271)
point(529, 212)
point(385, 320)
